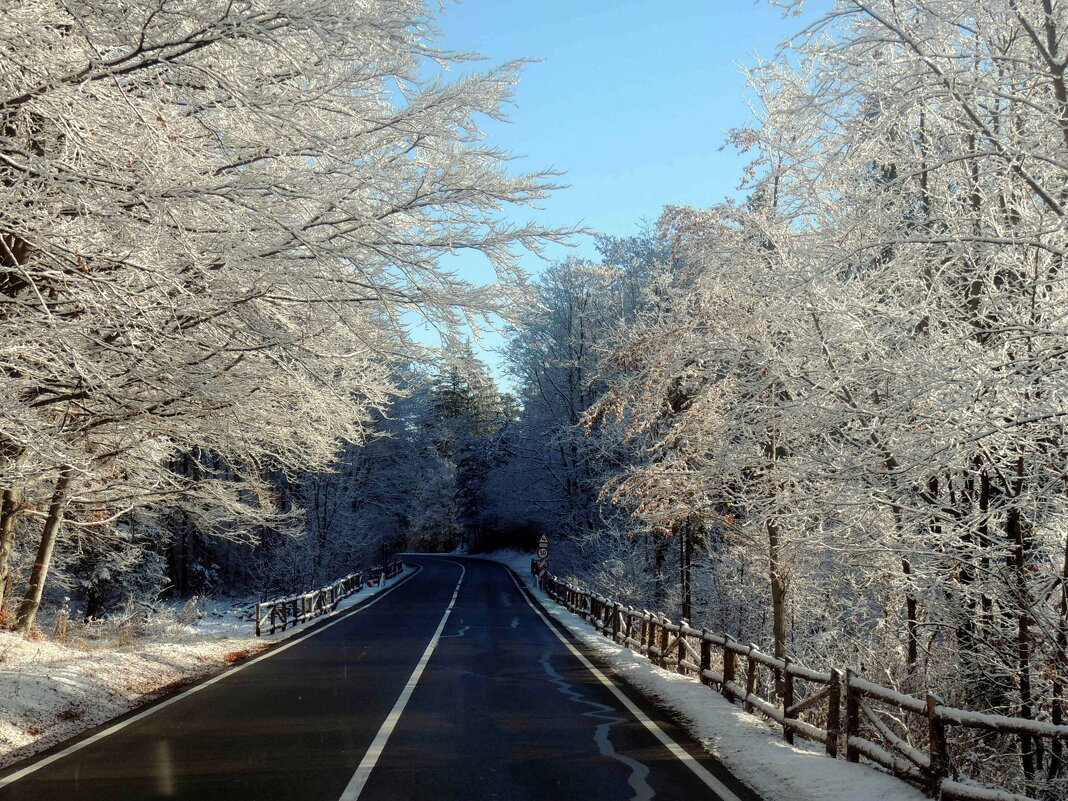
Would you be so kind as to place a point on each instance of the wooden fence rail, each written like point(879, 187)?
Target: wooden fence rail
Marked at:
point(285, 612)
point(809, 702)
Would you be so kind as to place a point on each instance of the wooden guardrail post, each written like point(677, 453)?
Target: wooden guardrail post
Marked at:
point(616, 613)
point(834, 713)
point(680, 644)
point(787, 699)
point(706, 659)
point(937, 747)
point(852, 714)
point(752, 674)
point(729, 665)
point(664, 634)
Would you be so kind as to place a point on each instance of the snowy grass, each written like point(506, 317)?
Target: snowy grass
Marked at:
point(51, 690)
point(753, 750)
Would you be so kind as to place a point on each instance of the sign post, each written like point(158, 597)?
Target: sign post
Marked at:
point(543, 554)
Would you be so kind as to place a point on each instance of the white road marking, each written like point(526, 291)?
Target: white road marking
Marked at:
point(378, 745)
point(100, 735)
point(680, 753)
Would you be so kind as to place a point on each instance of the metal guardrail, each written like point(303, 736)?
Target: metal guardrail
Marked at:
point(918, 753)
point(285, 612)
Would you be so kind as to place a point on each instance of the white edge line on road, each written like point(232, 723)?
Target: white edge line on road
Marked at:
point(100, 735)
point(680, 753)
point(378, 745)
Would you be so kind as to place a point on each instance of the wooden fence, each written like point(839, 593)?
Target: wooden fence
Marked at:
point(284, 612)
point(909, 739)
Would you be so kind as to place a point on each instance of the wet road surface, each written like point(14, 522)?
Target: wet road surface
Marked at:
point(450, 686)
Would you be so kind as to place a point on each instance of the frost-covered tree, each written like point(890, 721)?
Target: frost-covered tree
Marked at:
point(873, 356)
point(214, 216)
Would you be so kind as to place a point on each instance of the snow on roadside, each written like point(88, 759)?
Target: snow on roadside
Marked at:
point(51, 691)
point(754, 751)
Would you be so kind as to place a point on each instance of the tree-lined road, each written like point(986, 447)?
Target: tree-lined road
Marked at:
point(450, 686)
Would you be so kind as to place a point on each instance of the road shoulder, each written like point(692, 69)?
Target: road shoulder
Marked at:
point(752, 751)
point(106, 708)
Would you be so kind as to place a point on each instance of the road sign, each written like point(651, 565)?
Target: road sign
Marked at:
point(543, 553)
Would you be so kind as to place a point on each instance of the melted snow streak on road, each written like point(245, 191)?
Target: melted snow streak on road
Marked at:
point(638, 772)
point(502, 711)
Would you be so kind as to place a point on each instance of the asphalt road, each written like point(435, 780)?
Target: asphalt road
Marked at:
point(450, 687)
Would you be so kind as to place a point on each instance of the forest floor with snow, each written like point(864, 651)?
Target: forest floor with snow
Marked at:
point(751, 748)
point(52, 689)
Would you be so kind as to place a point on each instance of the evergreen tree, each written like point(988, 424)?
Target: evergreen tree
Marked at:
point(469, 419)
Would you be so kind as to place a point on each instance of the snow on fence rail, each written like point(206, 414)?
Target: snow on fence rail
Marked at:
point(285, 612)
point(809, 702)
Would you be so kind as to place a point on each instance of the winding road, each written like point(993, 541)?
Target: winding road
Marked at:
point(453, 685)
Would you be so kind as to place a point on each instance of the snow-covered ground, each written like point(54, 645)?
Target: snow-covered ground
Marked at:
point(50, 690)
point(753, 750)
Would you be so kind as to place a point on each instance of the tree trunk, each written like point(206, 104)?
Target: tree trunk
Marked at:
point(685, 568)
point(911, 606)
point(778, 599)
point(176, 563)
point(1060, 672)
point(912, 655)
point(1018, 536)
point(778, 590)
point(32, 602)
point(660, 554)
point(9, 513)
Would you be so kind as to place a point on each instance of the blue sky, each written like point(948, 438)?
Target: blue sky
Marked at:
point(631, 99)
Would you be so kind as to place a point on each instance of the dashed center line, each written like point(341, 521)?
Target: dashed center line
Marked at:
point(378, 745)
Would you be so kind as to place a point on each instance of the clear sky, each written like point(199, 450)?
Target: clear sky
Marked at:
point(631, 98)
